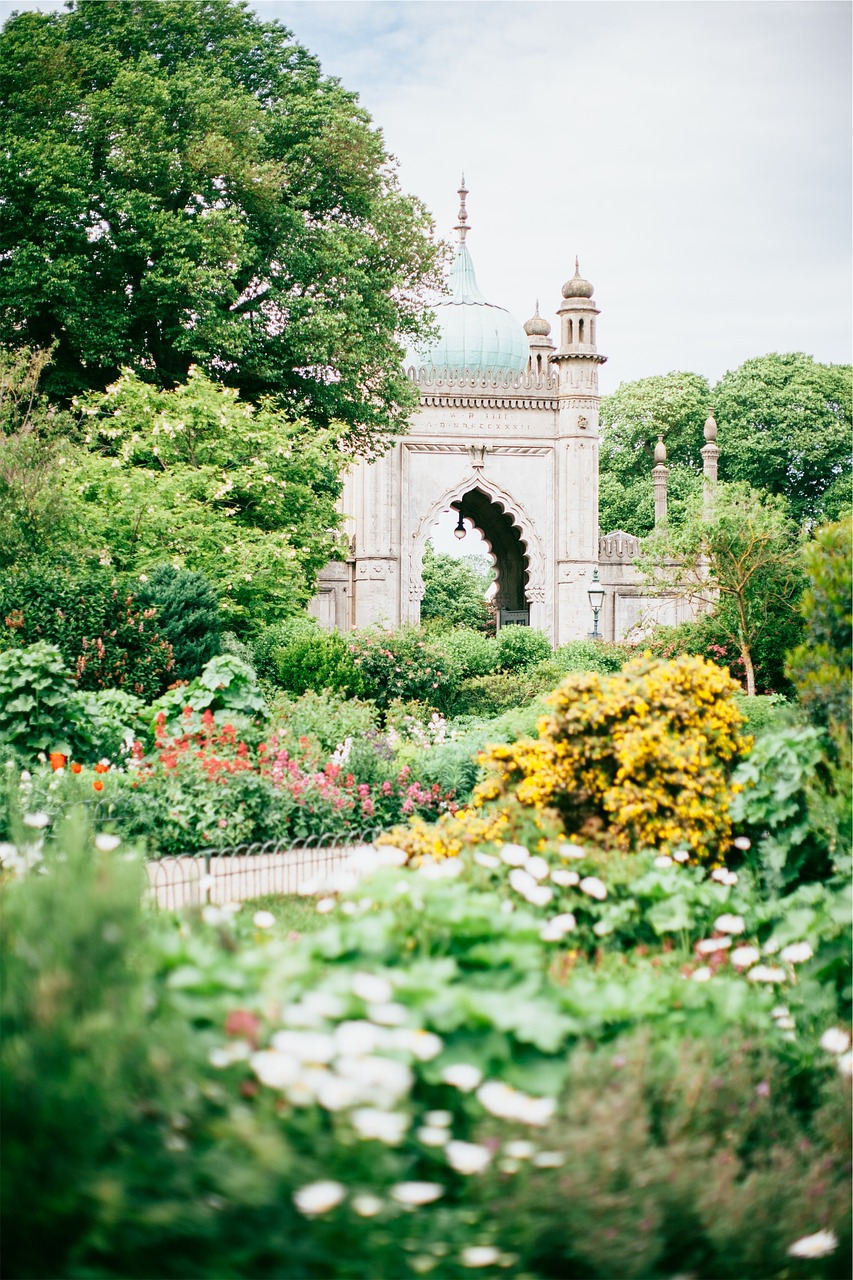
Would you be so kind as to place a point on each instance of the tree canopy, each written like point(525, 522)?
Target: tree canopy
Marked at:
point(455, 589)
point(182, 186)
point(194, 477)
point(784, 427)
point(785, 423)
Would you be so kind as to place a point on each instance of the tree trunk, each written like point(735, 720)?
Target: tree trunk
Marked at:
point(746, 658)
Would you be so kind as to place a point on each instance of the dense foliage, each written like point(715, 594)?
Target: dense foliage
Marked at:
point(197, 477)
point(462, 1066)
point(187, 176)
point(821, 666)
point(785, 424)
point(784, 427)
point(455, 590)
point(740, 559)
point(107, 636)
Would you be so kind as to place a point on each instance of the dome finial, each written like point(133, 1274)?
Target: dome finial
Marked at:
point(461, 227)
point(577, 287)
point(536, 326)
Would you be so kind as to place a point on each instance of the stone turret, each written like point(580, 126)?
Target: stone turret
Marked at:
point(577, 357)
point(576, 361)
point(538, 332)
point(660, 473)
point(710, 456)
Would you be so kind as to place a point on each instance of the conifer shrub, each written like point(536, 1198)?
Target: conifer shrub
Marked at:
point(188, 616)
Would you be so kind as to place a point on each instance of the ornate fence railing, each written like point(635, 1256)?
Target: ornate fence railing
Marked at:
point(307, 866)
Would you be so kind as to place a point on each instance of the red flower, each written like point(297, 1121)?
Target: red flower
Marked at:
point(242, 1022)
point(97, 785)
point(76, 768)
point(100, 767)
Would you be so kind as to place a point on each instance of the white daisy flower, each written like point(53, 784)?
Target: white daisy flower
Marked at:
point(318, 1197)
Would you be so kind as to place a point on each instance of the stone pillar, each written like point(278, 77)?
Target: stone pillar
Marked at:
point(660, 472)
point(577, 362)
point(710, 456)
point(376, 576)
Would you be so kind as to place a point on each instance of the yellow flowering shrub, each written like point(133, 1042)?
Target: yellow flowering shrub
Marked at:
point(639, 759)
point(469, 828)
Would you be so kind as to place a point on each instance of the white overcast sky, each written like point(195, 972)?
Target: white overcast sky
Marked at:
point(696, 155)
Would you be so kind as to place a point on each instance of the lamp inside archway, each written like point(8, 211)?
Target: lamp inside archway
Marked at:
point(459, 531)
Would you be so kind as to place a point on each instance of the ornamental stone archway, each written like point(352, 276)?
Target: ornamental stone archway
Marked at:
point(507, 431)
point(510, 536)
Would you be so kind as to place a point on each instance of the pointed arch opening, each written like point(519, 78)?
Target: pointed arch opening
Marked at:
point(506, 546)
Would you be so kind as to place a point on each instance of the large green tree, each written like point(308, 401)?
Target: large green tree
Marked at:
point(183, 186)
point(784, 427)
point(674, 405)
point(455, 589)
point(201, 480)
point(785, 423)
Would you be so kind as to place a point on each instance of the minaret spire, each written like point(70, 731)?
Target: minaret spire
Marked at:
point(660, 472)
point(461, 227)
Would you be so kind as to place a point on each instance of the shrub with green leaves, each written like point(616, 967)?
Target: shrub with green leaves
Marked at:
point(821, 666)
point(408, 664)
point(112, 721)
point(477, 654)
point(704, 637)
point(592, 655)
point(326, 719)
point(279, 636)
point(36, 702)
point(783, 803)
point(227, 687)
point(188, 616)
point(105, 635)
point(521, 647)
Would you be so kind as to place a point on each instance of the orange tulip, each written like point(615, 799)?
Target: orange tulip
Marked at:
point(58, 760)
point(76, 768)
point(97, 785)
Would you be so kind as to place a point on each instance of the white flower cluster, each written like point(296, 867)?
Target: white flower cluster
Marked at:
point(502, 1100)
point(321, 1197)
point(837, 1042)
point(341, 753)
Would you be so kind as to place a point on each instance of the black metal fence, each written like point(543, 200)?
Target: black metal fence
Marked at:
point(310, 866)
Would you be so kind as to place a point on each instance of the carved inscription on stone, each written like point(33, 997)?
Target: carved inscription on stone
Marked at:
point(482, 422)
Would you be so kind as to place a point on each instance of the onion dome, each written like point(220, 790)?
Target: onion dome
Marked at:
point(536, 326)
point(577, 287)
point(474, 335)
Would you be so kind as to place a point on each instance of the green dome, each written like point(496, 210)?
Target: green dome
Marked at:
point(474, 334)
